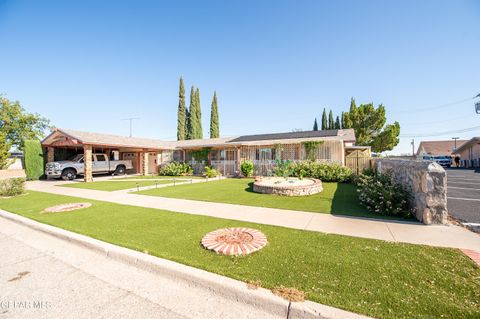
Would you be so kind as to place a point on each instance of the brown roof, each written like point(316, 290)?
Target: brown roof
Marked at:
point(437, 148)
point(474, 140)
point(137, 142)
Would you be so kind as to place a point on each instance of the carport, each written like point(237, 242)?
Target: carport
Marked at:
point(145, 154)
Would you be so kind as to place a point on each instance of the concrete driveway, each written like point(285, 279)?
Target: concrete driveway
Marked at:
point(464, 196)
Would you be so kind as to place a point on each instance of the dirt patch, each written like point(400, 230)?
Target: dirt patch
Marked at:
point(253, 285)
point(19, 276)
point(291, 294)
point(66, 207)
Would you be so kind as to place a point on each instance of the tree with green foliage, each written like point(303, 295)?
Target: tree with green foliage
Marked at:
point(331, 123)
point(214, 123)
point(324, 120)
point(337, 123)
point(181, 114)
point(4, 151)
point(18, 125)
point(315, 125)
point(191, 116)
point(370, 129)
point(198, 115)
point(34, 159)
point(345, 121)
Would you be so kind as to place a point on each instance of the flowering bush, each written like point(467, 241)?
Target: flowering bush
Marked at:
point(247, 168)
point(381, 195)
point(326, 172)
point(175, 169)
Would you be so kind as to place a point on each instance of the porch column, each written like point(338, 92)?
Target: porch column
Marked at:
point(87, 162)
point(144, 162)
point(238, 161)
point(50, 154)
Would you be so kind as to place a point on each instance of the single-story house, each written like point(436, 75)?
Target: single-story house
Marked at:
point(224, 154)
point(438, 148)
point(470, 152)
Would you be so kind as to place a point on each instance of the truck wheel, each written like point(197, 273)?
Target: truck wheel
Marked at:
point(120, 170)
point(69, 174)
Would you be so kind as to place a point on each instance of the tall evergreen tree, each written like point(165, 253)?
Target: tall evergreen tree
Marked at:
point(337, 123)
point(324, 120)
point(181, 115)
point(331, 124)
point(192, 117)
point(214, 124)
point(345, 120)
point(188, 125)
point(198, 115)
point(315, 125)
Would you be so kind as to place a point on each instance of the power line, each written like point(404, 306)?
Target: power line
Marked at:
point(431, 108)
point(131, 119)
point(468, 129)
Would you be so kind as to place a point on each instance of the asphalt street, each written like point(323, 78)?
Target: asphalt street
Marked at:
point(464, 196)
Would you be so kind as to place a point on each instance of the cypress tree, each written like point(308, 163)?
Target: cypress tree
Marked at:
point(315, 125)
point(331, 124)
point(188, 125)
point(192, 117)
point(324, 120)
point(198, 115)
point(337, 123)
point(214, 123)
point(181, 116)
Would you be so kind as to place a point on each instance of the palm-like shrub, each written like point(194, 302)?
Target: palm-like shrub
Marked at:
point(210, 172)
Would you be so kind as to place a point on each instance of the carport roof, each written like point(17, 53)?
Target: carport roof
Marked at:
point(473, 140)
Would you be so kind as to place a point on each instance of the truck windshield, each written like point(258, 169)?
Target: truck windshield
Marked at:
point(77, 157)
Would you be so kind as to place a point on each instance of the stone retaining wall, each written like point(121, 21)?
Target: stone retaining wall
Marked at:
point(428, 183)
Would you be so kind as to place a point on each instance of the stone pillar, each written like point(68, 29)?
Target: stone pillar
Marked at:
point(87, 162)
point(144, 162)
point(50, 154)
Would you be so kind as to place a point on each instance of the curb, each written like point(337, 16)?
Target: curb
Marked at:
point(232, 289)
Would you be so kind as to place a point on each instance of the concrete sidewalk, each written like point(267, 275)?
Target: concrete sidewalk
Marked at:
point(407, 232)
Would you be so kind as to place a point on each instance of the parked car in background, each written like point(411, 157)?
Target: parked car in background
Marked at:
point(445, 160)
point(68, 170)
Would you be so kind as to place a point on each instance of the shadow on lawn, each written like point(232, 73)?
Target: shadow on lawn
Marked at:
point(345, 202)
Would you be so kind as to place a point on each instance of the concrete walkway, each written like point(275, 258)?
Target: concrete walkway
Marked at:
point(407, 232)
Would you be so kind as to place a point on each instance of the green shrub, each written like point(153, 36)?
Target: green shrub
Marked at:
point(210, 172)
point(12, 186)
point(382, 195)
point(175, 169)
point(326, 172)
point(247, 168)
point(34, 160)
point(283, 168)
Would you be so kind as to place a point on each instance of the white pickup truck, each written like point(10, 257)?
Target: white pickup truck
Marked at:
point(68, 170)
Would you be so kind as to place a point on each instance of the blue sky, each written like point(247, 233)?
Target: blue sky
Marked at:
point(274, 64)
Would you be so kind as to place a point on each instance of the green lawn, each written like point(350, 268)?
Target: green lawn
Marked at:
point(376, 278)
point(111, 186)
point(159, 177)
point(336, 198)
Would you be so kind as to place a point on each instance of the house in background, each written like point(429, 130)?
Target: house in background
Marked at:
point(438, 148)
point(470, 152)
point(224, 154)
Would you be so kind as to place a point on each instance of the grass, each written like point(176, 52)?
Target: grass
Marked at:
point(159, 177)
point(376, 278)
point(336, 198)
point(111, 186)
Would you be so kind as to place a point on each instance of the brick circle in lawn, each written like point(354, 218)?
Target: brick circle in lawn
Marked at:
point(234, 241)
point(66, 207)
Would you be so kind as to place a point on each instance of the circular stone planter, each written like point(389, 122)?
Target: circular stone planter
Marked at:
point(291, 186)
point(66, 207)
point(234, 241)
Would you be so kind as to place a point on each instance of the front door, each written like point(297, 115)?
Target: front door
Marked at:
point(152, 163)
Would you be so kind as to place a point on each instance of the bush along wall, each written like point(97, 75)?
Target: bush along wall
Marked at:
point(326, 172)
point(34, 159)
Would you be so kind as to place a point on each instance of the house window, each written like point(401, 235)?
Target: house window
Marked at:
point(264, 154)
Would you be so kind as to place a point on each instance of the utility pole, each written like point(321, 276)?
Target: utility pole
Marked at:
point(455, 147)
point(413, 147)
point(131, 119)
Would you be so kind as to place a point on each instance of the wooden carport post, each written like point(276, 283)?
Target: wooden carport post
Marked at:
point(87, 162)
